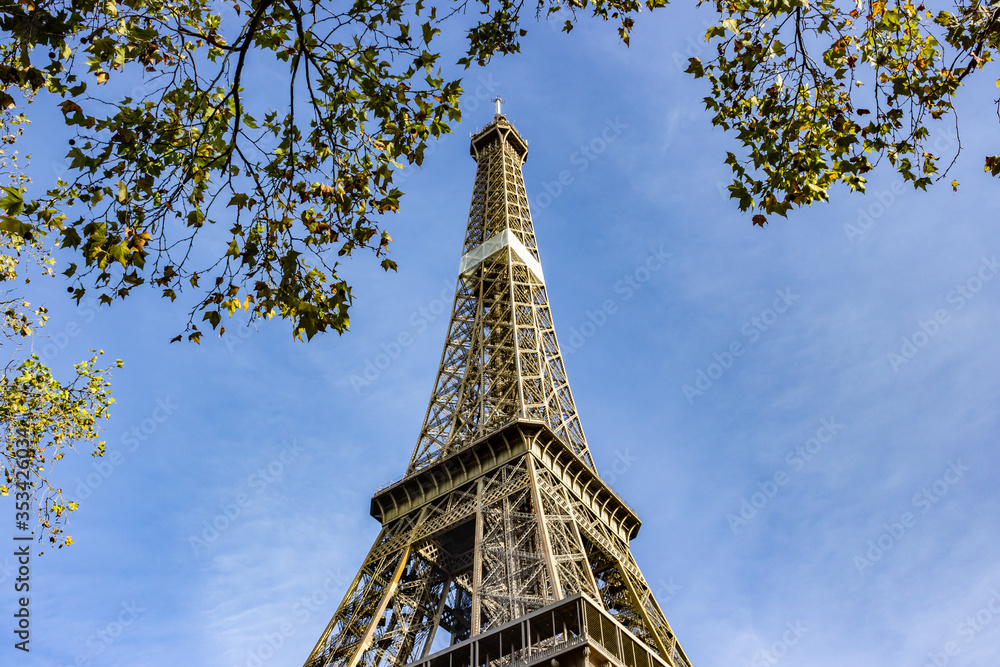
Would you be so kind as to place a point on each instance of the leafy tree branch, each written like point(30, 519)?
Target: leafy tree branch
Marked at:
point(819, 92)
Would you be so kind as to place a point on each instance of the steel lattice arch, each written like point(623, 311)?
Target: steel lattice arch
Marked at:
point(501, 545)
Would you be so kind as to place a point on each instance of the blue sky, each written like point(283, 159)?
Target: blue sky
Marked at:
point(867, 486)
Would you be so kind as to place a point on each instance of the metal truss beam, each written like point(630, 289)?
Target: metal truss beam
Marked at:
point(501, 360)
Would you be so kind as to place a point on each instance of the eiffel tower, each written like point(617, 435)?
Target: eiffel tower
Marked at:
point(501, 546)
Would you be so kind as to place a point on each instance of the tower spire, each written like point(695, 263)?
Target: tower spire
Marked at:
point(501, 360)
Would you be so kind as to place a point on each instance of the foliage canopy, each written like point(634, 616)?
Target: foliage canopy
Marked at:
point(243, 192)
point(355, 90)
point(819, 92)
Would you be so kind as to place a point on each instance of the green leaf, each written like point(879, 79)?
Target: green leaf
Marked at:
point(239, 200)
point(12, 202)
point(15, 226)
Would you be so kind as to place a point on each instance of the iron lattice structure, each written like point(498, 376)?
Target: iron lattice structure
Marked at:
point(501, 513)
